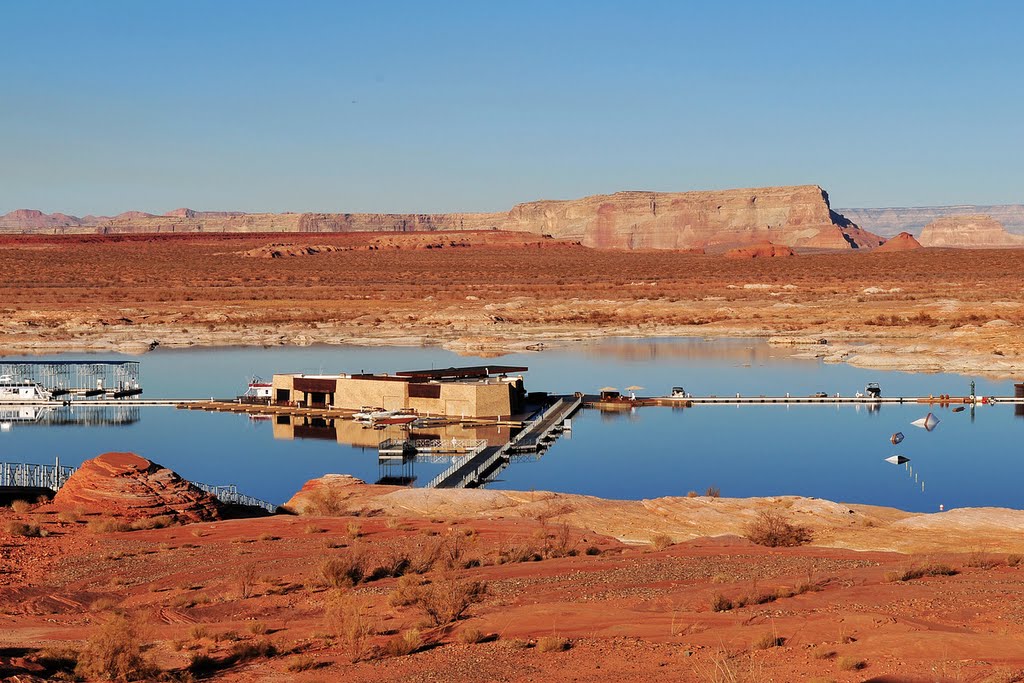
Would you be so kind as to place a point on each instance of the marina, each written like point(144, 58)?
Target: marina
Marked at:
point(640, 444)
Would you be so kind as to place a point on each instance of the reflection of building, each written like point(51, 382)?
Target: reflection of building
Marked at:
point(480, 391)
point(362, 435)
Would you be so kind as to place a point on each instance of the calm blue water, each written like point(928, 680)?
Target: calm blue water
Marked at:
point(833, 452)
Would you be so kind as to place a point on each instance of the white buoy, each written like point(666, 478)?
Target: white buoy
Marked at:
point(927, 422)
point(897, 459)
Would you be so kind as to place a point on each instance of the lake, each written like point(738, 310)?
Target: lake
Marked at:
point(836, 452)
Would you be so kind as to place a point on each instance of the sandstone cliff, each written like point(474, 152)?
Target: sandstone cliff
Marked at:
point(968, 232)
point(797, 216)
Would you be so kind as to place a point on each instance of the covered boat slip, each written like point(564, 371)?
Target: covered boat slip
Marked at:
point(116, 379)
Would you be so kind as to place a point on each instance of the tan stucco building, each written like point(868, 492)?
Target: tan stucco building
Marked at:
point(479, 391)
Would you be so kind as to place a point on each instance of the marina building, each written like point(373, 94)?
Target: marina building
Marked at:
point(466, 392)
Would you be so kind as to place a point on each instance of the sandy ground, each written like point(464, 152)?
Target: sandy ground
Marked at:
point(633, 611)
point(925, 310)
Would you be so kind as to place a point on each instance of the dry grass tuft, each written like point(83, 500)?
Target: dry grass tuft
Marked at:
point(1013, 559)
point(720, 603)
point(442, 601)
point(348, 618)
point(713, 492)
point(921, 571)
point(661, 541)
point(21, 506)
point(114, 651)
point(470, 636)
point(769, 640)
point(773, 530)
point(405, 644)
point(107, 525)
point(345, 570)
point(553, 644)
point(16, 528)
point(852, 664)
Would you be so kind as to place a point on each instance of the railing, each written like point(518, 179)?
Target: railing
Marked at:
point(34, 476)
point(458, 463)
point(230, 494)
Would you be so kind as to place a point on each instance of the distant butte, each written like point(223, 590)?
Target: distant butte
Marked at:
point(969, 232)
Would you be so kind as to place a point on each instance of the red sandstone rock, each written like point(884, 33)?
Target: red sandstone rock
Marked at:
point(768, 250)
point(129, 486)
point(901, 242)
point(333, 494)
point(968, 232)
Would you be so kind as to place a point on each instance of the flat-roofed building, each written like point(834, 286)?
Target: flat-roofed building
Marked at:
point(478, 391)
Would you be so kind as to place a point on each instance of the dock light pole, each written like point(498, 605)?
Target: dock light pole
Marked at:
point(972, 391)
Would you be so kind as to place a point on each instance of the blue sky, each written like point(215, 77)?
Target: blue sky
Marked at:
point(460, 106)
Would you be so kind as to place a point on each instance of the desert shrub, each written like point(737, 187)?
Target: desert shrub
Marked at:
point(980, 560)
point(661, 541)
point(921, 571)
point(406, 592)
point(158, 522)
point(720, 603)
point(257, 628)
point(347, 617)
point(16, 528)
point(314, 529)
point(355, 530)
point(1013, 560)
point(520, 552)
point(106, 525)
point(773, 530)
point(344, 571)
point(692, 494)
point(268, 537)
point(247, 580)
point(113, 652)
point(553, 644)
point(470, 636)
point(713, 492)
point(852, 664)
point(102, 604)
point(445, 600)
point(199, 632)
point(21, 506)
point(59, 662)
point(257, 649)
point(769, 640)
point(593, 550)
point(304, 663)
point(69, 516)
point(325, 503)
point(404, 644)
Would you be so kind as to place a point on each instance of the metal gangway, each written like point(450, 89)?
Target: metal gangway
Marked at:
point(114, 378)
point(53, 477)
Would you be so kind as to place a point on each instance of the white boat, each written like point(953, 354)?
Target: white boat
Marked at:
point(25, 390)
point(258, 389)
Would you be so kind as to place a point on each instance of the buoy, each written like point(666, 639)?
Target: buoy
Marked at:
point(897, 459)
point(927, 422)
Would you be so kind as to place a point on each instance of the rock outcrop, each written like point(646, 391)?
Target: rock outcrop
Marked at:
point(131, 487)
point(332, 494)
point(767, 250)
point(969, 232)
point(901, 242)
point(797, 216)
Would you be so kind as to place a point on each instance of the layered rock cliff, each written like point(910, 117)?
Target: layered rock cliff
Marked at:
point(969, 232)
point(797, 216)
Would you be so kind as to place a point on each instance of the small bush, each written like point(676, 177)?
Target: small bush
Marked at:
point(692, 494)
point(980, 560)
point(773, 530)
point(314, 529)
point(257, 628)
point(593, 550)
point(114, 652)
point(268, 537)
point(199, 632)
point(720, 603)
point(346, 617)
point(21, 506)
point(158, 522)
point(852, 664)
point(1013, 560)
point(769, 640)
point(69, 516)
point(345, 570)
point(16, 528)
point(445, 600)
point(921, 571)
point(258, 649)
point(713, 492)
point(404, 644)
point(304, 663)
point(470, 636)
point(107, 525)
point(661, 541)
point(102, 604)
point(553, 644)
point(407, 591)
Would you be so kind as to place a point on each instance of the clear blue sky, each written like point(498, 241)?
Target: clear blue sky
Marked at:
point(447, 106)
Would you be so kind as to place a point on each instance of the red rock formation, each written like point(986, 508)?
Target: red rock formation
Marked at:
point(333, 494)
point(969, 232)
point(901, 242)
point(796, 216)
point(793, 216)
point(129, 486)
point(767, 250)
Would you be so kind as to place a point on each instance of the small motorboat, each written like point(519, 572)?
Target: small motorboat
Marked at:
point(896, 438)
point(897, 459)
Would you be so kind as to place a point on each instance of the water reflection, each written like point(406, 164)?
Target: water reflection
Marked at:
point(87, 416)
